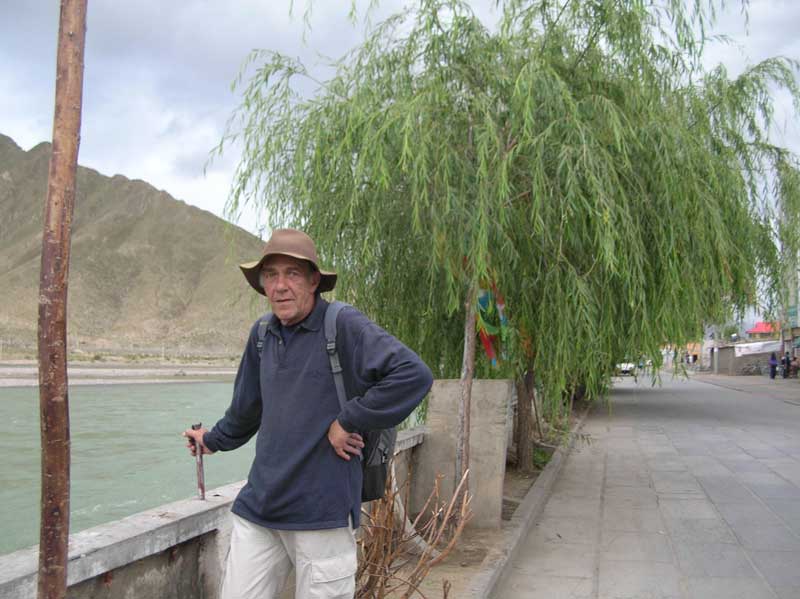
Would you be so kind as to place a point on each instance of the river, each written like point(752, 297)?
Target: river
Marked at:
point(127, 452)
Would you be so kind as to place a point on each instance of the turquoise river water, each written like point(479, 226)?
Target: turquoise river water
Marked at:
point(127, 453)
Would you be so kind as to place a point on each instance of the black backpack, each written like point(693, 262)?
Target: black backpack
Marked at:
point(378, 444)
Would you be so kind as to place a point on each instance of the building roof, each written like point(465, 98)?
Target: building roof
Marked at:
point(763, 327)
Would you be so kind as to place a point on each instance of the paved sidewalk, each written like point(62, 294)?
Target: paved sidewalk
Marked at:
point(689, 490)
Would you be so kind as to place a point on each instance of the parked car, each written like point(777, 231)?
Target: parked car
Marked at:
point(624, 368)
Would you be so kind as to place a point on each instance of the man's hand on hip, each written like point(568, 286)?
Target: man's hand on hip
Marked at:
point(344, 444)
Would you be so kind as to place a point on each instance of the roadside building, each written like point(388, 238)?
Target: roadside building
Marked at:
point(747, 358)
point(764, 330)
point(791, 333)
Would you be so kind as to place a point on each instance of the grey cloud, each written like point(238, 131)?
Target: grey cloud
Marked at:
point(158, 73)
point(771, 29)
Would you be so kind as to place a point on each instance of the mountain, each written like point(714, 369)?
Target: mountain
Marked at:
point(146, 271)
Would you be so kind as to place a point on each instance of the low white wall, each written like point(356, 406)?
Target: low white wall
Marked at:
point(109, 547)
point(175, 550)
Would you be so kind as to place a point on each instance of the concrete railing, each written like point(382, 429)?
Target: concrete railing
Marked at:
point(175, 550)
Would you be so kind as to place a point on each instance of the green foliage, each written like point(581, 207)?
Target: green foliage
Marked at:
point(578, 157)
point(541, 457)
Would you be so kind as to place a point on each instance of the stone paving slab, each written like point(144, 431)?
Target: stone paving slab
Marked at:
point(714, 560)
point(788, 510)
point(686, 491)
point(728, 588)
point(781, 569)
point(525, 586)
point(632, 520)
point(725, 489)
point(636, 546)
point(703, 531)
point(639, 579)
point(582, 530)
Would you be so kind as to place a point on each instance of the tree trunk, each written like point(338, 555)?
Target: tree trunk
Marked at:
point(524, 427)
point(467, 373)
point(52, 335)
point(532, 392)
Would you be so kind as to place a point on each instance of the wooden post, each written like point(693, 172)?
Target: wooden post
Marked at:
point(52, 335)
point(467, 373)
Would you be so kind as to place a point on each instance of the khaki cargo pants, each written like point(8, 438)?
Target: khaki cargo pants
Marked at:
point(260, 560)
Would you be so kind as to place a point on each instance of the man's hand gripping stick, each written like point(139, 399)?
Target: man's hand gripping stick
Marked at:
point(198, 456)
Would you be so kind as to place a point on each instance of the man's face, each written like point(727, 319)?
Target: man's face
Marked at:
point(290, 284)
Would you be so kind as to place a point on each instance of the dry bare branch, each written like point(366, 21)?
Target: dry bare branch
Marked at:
point(397, 555)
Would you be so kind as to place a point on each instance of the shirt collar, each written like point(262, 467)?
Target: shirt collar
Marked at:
point(312, 322)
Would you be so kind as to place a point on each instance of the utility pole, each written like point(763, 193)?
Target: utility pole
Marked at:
point(52, 333)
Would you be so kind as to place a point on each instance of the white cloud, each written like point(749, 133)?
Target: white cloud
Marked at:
point(157, 80)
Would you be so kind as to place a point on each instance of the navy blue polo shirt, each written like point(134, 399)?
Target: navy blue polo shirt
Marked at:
point(288, 397)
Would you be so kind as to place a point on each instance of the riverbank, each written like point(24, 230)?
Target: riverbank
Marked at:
point(24, 373)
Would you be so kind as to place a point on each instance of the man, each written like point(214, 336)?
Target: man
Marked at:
point(303, 494)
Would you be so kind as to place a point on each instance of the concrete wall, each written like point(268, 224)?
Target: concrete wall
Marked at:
point(174, 551)
point(730, 364)
point(726, 359)
point(164, 552)
point(172, 574)
point(488, 442)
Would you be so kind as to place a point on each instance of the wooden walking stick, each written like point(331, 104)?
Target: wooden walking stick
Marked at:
point(198, 457)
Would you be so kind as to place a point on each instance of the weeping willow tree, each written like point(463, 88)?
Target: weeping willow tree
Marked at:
point(576, 156)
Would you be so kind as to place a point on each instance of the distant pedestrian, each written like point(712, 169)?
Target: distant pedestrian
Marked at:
point(787, 365)
point(773, 365)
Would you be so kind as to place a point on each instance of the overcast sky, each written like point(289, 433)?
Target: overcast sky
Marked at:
point(157, 80)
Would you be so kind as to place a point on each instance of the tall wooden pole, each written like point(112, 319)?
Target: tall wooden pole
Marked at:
point(467, 374)
point(53, 397)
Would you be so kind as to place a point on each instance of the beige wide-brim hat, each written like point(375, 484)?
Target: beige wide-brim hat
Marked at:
point(288, 242)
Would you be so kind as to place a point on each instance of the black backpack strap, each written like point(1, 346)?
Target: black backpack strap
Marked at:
point(331, 313)
point(262, 331)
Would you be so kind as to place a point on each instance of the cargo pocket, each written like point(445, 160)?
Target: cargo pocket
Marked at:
point(334, 577)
